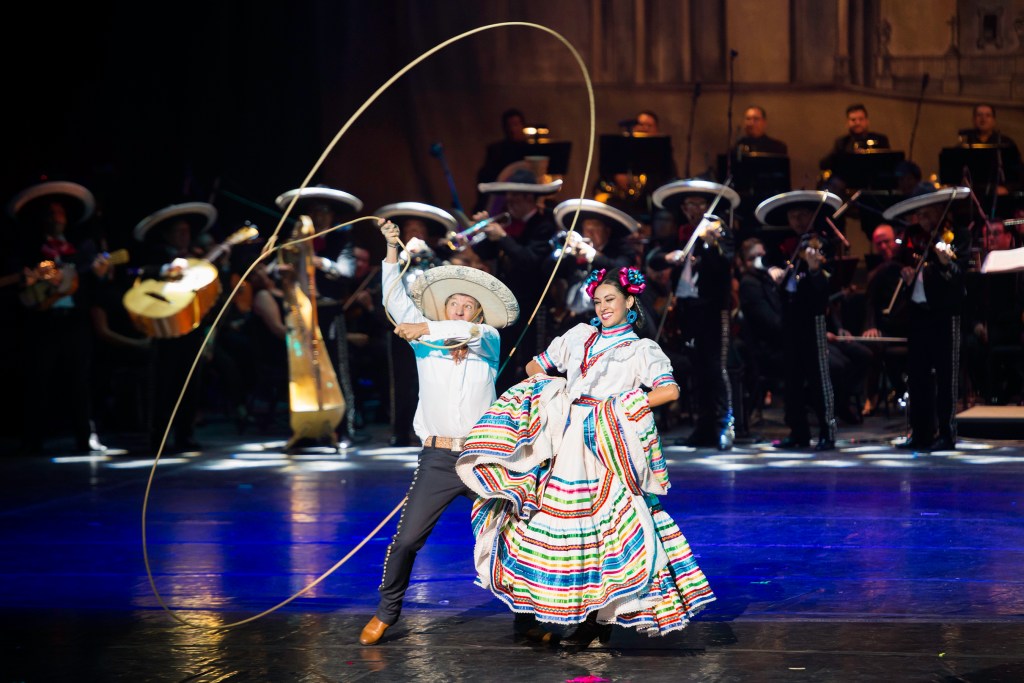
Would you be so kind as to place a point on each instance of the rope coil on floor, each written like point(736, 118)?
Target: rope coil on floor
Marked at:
point(270, 248)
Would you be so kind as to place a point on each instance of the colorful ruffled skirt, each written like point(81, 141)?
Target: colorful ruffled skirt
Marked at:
point(568, 520)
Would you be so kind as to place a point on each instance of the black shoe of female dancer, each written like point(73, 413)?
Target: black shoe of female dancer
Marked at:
point(586, 633)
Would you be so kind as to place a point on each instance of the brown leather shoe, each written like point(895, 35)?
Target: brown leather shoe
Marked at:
point(373, 631)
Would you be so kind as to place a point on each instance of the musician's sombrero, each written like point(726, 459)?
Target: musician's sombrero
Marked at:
point(439, 222)
point(340, 201)
point(78, 200)
point(432, 288)
point(672, 195)
point(200, 216)
point(522, 180)
point(773, 210)
point(926, 196)
point(620, 222)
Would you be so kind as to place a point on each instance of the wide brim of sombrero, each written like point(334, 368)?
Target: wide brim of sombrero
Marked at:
point(672, 195)
point(438, 219)
point(772, 211)
point(944, 195)
point(200, 216)
point(432, 288)
point(622, 223)
point(84, 202)
point(343, 201)
point(524, 188)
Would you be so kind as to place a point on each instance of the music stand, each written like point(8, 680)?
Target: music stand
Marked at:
point(557, 154)
point(757, 173)
point(874, 170)
point(980, 161)
point(651, 155)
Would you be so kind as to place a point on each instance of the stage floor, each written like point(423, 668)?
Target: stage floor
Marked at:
point(862, 564)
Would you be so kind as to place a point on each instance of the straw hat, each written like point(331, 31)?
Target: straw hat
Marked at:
point(431, 290)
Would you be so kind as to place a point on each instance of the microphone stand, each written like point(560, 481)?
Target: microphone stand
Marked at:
point(689, 130)
point(437, 151)
point(917, 116)
point(728, 143)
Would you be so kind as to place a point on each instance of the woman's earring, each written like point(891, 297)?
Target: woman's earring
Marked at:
point(631, 317)
point(595, 321)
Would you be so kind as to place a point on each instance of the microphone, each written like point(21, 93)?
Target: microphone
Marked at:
point(436, 150)
point(733, 54)
point(628, 123)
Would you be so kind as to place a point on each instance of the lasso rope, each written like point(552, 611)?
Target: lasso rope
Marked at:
point(270, 248)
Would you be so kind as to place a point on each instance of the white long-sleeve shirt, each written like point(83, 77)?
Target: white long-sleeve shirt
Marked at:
point(452, 396)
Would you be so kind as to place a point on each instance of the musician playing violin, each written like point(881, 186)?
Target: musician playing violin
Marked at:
point(936, 294)
point(804, 306)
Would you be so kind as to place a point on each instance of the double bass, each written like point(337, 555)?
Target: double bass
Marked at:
point(314, 396)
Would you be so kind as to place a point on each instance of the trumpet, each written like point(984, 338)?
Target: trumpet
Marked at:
point(569, 242)
point(457, 241)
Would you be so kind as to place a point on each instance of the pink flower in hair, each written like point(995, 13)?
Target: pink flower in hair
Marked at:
point(632, 280)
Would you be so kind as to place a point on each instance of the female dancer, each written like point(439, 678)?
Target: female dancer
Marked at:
point(568, 525)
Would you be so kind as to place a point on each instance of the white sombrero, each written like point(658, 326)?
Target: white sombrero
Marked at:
point(80, 208)
point(772, 211)
point(522, 180)
point(436, 219)
point(432, 288)
point(342, 202)
point(621, 223)
point(946, 194)
point(200, 217)
point(672, 195)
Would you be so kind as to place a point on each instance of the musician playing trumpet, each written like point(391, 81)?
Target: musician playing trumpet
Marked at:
point(701, 283)
point(518, 256)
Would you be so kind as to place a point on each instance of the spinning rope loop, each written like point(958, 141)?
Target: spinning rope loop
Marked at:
point(270, 248)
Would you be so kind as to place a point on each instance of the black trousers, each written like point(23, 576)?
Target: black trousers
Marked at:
point(434, 486)
point(708, 326)
point(933, 344)
point(808, 379)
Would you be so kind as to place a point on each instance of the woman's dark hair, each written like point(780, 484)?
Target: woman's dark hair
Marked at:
point(612, 278)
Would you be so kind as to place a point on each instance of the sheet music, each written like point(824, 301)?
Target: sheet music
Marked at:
point(1004, 261)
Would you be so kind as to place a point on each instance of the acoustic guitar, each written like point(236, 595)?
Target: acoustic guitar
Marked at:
point(173, 307)
point(53, 282)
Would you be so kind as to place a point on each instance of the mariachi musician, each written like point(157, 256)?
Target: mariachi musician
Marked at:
point(54, 340)
point(601, 239)
point(702, 290)
point(520, 254)
point(335, 268)
point(936, 291)
point(805, 292)
point(169, 237)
